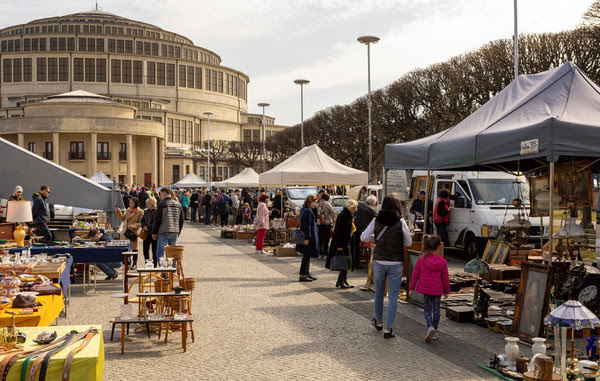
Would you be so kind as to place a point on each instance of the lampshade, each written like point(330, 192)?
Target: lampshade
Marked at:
point(543, 199)
point(477, 266)
point(18, 211)
point(518, 222)
point(572, 314)
point(570, 229)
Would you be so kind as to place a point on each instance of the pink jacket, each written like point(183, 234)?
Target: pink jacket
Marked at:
point(262, 216)
point(431, 271)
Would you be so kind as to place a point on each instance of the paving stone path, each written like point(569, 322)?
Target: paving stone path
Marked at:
point(255, 321)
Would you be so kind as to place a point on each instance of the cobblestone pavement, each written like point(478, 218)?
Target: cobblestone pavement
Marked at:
point(254, 320)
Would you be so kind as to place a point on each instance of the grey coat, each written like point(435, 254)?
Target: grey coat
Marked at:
point(169, 217)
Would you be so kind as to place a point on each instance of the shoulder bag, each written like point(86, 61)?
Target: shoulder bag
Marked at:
point(130, 235)
point(299, 236)
point(339, 261)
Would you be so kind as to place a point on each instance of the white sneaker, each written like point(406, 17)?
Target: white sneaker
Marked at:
point(430, 334)
point(258, 252)
point(435, 336)
point(264, 252)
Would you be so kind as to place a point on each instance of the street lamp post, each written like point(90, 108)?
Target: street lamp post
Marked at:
point(368, 40)
point(264, 136)
point(208, 114)
point(516, 43)
point(302, 82)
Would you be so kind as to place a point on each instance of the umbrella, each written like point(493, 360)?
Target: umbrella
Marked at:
point(477, 266)
point(572, 314)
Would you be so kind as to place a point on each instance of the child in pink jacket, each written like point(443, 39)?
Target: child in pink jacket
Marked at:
point(431, 271)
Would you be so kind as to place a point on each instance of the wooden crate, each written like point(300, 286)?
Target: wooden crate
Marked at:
point(281, 251)
point(460, 314)
point(244, 234)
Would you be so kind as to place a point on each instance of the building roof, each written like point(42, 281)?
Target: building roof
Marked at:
point(80, 96)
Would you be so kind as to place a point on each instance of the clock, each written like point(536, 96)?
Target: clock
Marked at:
point(587, 294)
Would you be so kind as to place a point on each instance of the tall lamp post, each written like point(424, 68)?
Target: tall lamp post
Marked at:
point(368, 40)
point(516, 44)
point(264, 136)
point(208, 114)
point(302, 82)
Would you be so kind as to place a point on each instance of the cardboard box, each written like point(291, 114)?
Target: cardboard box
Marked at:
point(281, 251)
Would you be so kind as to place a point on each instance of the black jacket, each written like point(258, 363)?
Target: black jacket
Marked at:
point(169, 217)
point(419, 206)
point(39, 209)
point(206, 199)
point(341, 235)
point(390, 247)
point(194, 200)
point(364, 215)
point(148, 219)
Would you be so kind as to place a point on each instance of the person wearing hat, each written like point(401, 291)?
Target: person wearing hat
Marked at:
point(418, 209)
point(17, 194)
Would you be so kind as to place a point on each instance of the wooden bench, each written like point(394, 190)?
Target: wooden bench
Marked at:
point(147, 322)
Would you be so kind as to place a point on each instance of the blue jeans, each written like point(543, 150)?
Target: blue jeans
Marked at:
point(193, 213)
point(207, 214)
point(394, 278)
point(108, 268)
point(164, 240)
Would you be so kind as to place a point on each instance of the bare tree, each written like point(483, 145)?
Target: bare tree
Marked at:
point(219, 150)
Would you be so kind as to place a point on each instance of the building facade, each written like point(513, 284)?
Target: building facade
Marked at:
point(160, 78)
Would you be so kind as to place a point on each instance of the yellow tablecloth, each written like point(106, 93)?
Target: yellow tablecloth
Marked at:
point(51, 307)
point(87, 365)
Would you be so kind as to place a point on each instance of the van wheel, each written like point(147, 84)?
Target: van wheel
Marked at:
point(471, 247)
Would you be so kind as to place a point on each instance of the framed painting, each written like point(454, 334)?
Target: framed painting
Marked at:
point(490, 250)
point(413, 256)
point(573, 183)
point(420, 183)
point(532, 301)
point(538, 185)
point(501, 253)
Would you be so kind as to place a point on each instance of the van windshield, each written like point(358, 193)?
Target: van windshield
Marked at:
point(499, 191)
point(301, 193)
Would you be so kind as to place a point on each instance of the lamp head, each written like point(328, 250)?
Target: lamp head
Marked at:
point(368, 40)
point(301, 81)
point(263, 105)
point(208, 113)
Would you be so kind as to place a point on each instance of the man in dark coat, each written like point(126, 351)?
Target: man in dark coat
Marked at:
point(363, 217)
point(194, 205)
point(418, 209)
point(41, 213)
point(310, 247)
point(206, 204)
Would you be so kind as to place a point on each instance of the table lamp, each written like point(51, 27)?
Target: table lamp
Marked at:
point(478, 267)
point(19, 212)
point(572, 314)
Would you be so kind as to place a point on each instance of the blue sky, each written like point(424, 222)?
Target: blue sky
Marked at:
point(275, 42)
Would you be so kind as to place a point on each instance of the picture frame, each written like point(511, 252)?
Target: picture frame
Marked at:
point(490, 250)
point(420, 183)
point(501, 253)
point(537, 185)
point(413, 256)
point(532, 301)
point(572, 173)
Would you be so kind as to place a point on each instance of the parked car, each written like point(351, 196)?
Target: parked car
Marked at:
point(338, 202)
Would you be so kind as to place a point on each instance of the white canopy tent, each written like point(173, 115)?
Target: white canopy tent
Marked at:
point(102, 179)
point(190, 180)
point(311, 166)
point(246, 178)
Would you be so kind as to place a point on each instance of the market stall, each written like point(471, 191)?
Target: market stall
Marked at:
point(191, 180)
point(87, 354)
point(49, 310)
point(102, 179)
point(248, 178)
point(544, 124)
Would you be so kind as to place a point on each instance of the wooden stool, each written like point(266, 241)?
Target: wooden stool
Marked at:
point(176, 252)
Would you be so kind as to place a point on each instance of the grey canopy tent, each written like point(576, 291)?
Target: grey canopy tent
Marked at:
point(536, 119)
point(534, 122)
point(102, 179)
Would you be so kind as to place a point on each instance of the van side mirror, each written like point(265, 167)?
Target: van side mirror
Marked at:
point(460, 202)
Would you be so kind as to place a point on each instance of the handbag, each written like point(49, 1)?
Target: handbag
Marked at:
point(24, 301)
point(130, 235)
point(46, 289)
point(339, 262)
point(143, 234)
point(299, 237)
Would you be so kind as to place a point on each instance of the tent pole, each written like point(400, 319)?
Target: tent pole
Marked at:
point(426, 207)
point(551, 211)
point(385, 179)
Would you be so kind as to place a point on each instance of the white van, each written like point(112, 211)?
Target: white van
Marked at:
point(482, 204)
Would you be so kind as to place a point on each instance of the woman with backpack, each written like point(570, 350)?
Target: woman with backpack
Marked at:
point(391, 235)
point(310, 247)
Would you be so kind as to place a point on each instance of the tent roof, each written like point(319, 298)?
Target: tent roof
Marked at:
point(537, 117)
point(246, 178)
point(191, 180)
point(102, 179)
point(311, 166)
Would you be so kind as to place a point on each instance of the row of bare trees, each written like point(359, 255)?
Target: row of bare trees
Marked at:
point(426, 101)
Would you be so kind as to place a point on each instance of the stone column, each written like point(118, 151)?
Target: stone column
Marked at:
point(55, 147)
point(21, 140)
point(114, 161)
point(161, 161)
point(93, 155)
point(129, 159)
point(154, 155)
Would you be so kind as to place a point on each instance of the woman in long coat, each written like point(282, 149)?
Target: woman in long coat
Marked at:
point(342, 234)
point(132, 219)
point(310, 247)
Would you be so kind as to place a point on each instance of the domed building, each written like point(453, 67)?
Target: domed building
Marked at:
point(95, 91)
